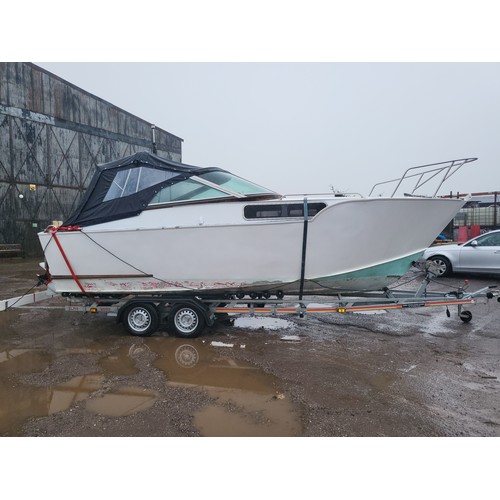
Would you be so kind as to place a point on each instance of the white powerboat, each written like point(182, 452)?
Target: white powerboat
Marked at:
point(147, 225)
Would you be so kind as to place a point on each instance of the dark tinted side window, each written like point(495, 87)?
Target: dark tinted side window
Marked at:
point(282, 210)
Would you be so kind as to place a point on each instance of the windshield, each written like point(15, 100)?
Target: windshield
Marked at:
point(186, 190)
point(196, 189)
point(233, 183)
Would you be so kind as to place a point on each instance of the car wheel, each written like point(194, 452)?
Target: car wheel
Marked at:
point(442, 266)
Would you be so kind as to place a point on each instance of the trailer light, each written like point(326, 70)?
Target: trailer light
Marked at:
point(93, 309)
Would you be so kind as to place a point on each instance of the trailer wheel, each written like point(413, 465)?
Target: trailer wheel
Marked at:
point(141, 320)
point(186, 321)
point(466, 316)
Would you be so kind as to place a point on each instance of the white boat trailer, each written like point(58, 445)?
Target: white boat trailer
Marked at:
point(187, 315)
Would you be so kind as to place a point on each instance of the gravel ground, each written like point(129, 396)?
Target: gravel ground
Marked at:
point(413, 372)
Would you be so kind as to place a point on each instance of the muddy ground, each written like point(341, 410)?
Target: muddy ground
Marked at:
point(413, 372)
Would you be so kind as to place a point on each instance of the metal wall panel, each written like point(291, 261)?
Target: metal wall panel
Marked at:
point(52, 135)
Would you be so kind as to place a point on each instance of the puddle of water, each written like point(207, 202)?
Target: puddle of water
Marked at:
point(119, 363)
point(23, 360)
point(64, 395)
point(125, 401)
point(7, 318)
point(7, 355)
point(117, 403)
point(19, 403)
point(247, 414)
point(246, 401)
point(197, 364)
point(29, 401)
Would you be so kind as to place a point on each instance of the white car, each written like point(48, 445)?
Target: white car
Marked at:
point(478, 255)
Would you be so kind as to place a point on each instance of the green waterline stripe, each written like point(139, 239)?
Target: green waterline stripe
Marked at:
point(396, 267)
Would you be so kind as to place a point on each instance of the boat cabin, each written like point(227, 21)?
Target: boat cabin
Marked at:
point(124, 188)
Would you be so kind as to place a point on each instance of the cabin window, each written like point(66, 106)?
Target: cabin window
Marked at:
point(135, 179)
point(186, 190)
point(289, 210)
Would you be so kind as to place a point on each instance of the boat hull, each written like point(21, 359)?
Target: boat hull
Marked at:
point(352, 245)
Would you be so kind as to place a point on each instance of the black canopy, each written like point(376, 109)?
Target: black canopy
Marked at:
point(100, 204)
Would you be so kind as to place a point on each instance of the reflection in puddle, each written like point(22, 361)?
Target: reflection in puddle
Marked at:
point(246, 413)
point(116, 403)
point(19, 403)
point(196, 364)
point(13, 353)
point(23, 360)
point(27, 401)
point(125, 401)
point(245, 398)
point(245, 402)
point(77, 389)
point(120, 362)
point(187, 356)
point(7, 318)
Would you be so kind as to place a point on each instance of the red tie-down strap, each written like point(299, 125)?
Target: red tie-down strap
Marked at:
point(54, 231)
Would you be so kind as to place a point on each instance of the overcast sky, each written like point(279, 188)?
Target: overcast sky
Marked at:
point(311, 127)
point(350, 116)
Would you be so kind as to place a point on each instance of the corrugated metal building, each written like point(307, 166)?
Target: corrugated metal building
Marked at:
point(52, 134)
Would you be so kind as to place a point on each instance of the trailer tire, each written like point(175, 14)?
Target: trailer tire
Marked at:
point(186, 321)
point(466, 316)
point(141, 319)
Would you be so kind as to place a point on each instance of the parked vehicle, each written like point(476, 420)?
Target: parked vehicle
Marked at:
point(478, 255)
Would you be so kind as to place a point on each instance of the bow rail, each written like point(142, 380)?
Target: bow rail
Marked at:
point(426, 173)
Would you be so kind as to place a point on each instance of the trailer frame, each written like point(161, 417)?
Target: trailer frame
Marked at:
point(187, 315)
